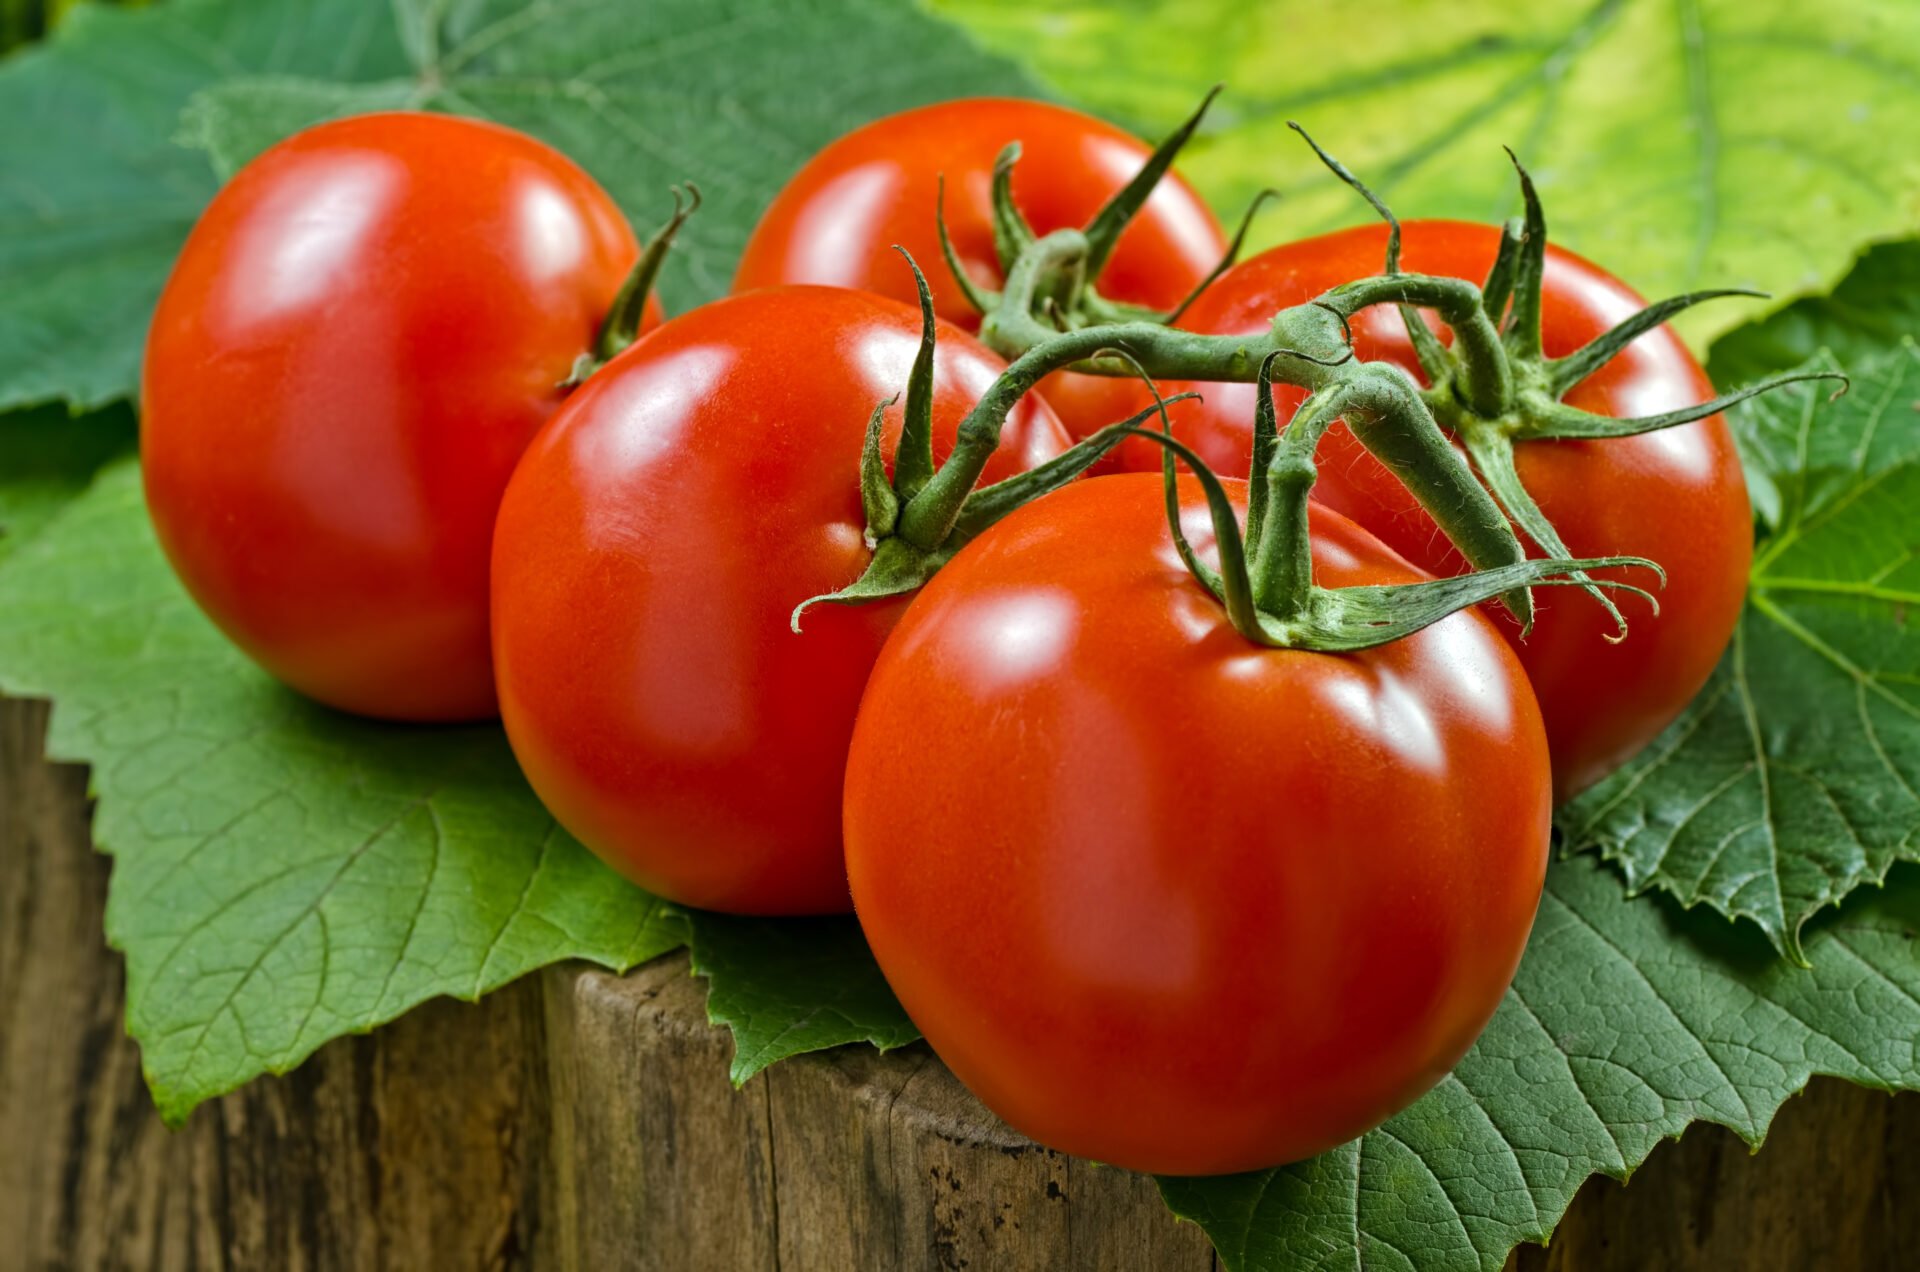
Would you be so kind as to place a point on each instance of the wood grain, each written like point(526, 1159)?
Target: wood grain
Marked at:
point(578, 1120)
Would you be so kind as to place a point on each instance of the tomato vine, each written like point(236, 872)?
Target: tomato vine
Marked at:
point(1492, 387)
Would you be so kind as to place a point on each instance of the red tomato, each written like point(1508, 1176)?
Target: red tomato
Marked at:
point(1675, 496)
point(1167, 899)
point(837, 219)
point(364, 330)
point(649, 552)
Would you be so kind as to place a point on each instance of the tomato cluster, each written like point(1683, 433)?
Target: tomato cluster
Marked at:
point(1161, 894)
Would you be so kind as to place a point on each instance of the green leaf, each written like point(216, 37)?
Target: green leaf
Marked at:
point(236, 120)
point(99, 190)
point(97, 197)
point(1794, 777)
point(787, 986)
point(1871, 309)
point(47, 459)
point(1681, 143)
point(1628, 1022)
point(282, 874)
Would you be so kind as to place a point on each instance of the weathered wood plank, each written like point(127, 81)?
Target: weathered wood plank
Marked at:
point(579, 1120)
point(1837, 1186)
point(659, 1163)
point(422, 1146)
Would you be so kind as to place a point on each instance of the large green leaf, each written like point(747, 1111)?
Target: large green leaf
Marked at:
point(95, 196)
point(1683, 143)
point(787, 986)
point(1871, 309)
point(1795, 776)
point(97, 192)
point(1628, 1022)
point(47, 459)
point(282, 874)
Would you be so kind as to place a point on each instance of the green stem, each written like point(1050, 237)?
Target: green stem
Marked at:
point(1387, 416)
point(1385, 409)
point(1283, 552)
point(1485, 374)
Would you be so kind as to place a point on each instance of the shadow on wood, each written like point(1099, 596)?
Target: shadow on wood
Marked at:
point(582, 1120)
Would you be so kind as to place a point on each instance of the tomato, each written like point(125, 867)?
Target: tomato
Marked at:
point(1676, 496)
point(837, 219)
point(650, 550)
point(1167, 899)
point(363, 331)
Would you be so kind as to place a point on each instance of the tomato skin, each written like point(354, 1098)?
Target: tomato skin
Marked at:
point(650, 550)
point(363, 331)
point(1677, 496)
point(1165, 899)
point(837, 219)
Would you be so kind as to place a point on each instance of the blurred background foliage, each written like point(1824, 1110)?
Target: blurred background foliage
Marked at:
point(22, 21)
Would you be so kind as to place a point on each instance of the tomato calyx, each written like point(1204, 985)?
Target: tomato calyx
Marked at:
point(621, 327)
point(1070, 294)
point(1385, 409)
point(1490, 410)
point(1265, 580)
point(919, 515)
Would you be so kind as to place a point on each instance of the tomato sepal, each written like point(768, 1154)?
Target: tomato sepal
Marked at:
point(1543, 417)
point(1068, 293)
point(908, 552)
point(899, 566)
point(1103, 231)
point(1011, 233)
point(621, 327)
point(1564, 373)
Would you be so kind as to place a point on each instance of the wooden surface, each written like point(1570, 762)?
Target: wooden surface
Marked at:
point(581, 1120)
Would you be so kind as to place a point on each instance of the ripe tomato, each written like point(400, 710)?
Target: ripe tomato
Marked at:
point(1167, 899)
point(837, 219)
point(361, 335)
point(650, 550)
point(1676, 496)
